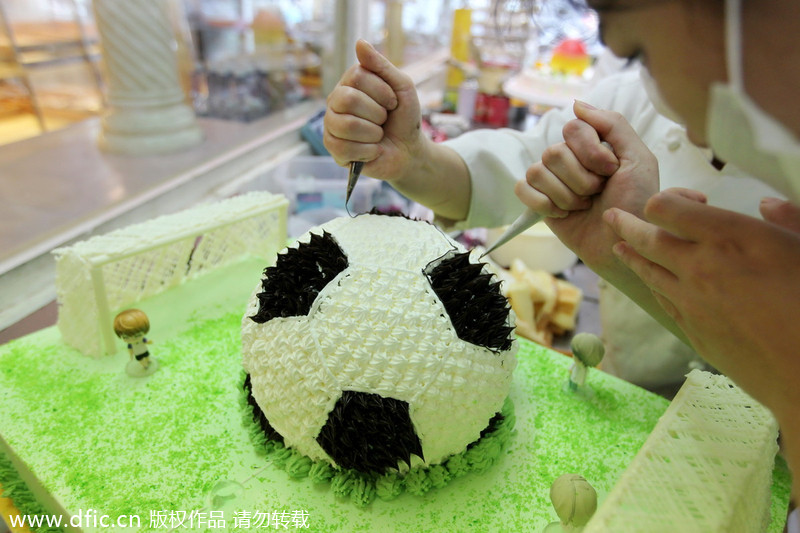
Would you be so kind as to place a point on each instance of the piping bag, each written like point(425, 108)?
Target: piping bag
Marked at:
point(527, 219)
point(523, 222)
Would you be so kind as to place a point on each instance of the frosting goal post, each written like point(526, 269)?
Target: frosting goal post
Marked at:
point(98, 277)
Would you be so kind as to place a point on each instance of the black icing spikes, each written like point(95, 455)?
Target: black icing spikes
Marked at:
point(473, 301)
point(389, 213)
point(369, 433)
point(290, 287)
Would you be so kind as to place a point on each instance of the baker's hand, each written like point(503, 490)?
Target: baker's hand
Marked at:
point(570, 172)
point(373, 115)
point(731, 284)
point(781, 212)
point(579, 179)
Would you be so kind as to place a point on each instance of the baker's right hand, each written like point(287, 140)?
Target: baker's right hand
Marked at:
point(373, 115)
point(579, 179)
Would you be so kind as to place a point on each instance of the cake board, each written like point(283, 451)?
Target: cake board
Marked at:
point(95, 439)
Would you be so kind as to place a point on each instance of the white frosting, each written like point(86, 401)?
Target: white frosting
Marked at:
point(100, 276)
point(377, 328)
point(707, 465)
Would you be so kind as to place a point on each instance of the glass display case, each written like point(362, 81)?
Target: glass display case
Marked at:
point(49, 66)
point(242, 59)
point(266, 54)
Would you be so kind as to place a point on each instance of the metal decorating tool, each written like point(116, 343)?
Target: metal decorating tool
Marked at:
point(352, 178)
point(523, 222)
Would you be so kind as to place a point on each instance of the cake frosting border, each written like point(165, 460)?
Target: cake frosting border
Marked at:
point(541, 372)
point(14, 488)
point(361, 488)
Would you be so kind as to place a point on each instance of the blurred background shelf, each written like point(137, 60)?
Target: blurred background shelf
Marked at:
point(49, 67)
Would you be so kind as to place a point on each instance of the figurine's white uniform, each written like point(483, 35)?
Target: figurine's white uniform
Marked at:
point(139, 349)
point(638, 349)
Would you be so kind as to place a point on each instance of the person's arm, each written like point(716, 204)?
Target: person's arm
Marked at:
point(373, 115)
point(602, 163)
point(438, 179)
point(730, 282)
point(498, 159)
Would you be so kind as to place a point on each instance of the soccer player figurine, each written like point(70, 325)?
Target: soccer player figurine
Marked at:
point(131, 326)
point(587, 351)
point(574, 500)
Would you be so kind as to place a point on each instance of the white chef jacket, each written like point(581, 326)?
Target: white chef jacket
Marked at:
point(638, 349)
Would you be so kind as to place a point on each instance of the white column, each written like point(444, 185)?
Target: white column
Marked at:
point(350, 23)
point(147, 111)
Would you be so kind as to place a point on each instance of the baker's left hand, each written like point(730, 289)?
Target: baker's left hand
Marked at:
point(731, 282)
point(781, 212)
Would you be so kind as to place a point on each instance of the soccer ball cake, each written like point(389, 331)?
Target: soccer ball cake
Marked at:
point(377, 344)
point(377, 347)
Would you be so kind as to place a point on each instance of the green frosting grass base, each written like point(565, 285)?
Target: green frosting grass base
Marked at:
point(361, 488)
point(95, 438)
point(18, 492)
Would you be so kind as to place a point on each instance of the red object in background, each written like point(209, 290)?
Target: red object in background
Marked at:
point(570, 57)
point(497, 114)
point(571, 47)
point(481, 108)
point(492, 109)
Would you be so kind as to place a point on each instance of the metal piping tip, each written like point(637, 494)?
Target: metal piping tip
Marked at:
point(352, 178)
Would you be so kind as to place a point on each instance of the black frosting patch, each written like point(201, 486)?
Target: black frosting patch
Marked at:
point(477, 308)
point(290, 287)
point(494, 423)
point(369, 433)
point(391, 212)
point(258, 415)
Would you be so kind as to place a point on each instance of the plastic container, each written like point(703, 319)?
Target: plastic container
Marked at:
point(467, 96)
point(318, 183)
